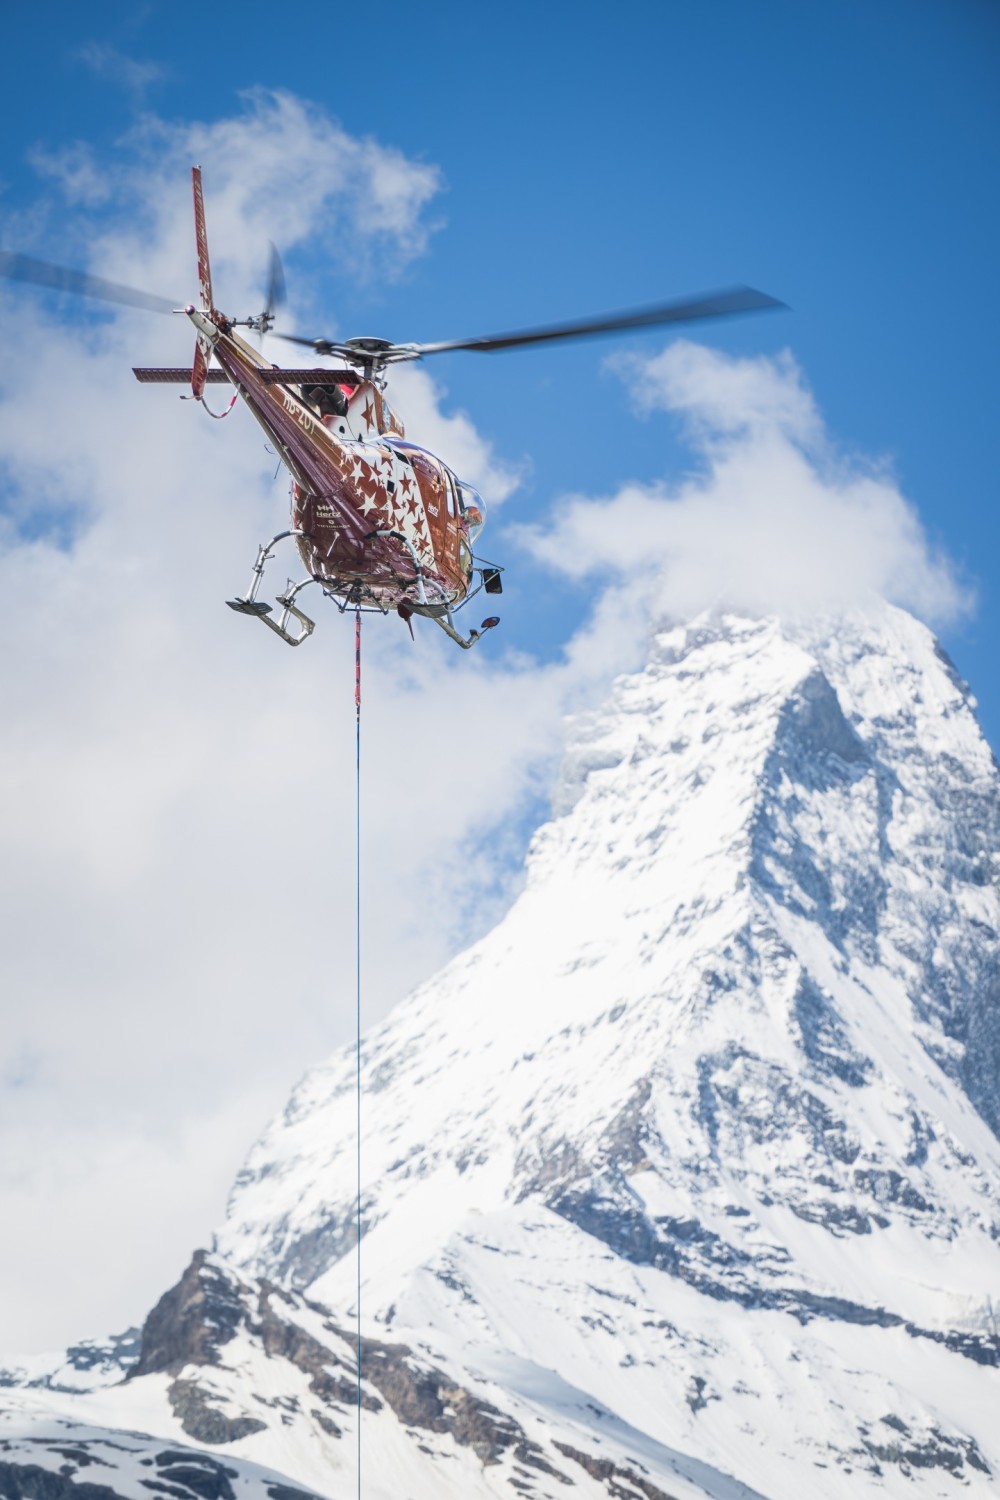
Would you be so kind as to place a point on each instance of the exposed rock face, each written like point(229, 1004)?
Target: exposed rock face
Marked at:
point(425, 1398)
point(203, 1421)
point(192, 1321)
point(195, 1323)
point(613, 1476)
point(190, 1326)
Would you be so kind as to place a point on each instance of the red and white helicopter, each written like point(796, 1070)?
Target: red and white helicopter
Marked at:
point(379, 522)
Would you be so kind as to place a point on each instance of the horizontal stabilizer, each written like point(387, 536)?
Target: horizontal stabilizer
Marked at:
point(269, 377)
point(309, 377)
point(178, 377)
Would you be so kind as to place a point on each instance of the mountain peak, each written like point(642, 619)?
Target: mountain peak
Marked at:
point(738, 1034)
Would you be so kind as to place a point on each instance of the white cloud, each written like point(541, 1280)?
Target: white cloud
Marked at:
point(720, 396)
point(282, 169)
point(130, 73)
point(775, 522)
point(176, 852)
point(75, 172)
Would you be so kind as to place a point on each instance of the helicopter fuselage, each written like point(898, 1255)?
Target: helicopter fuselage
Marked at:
point(378, 522)
point(376, 519)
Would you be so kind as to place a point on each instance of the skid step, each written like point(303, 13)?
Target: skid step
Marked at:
point(250, 606)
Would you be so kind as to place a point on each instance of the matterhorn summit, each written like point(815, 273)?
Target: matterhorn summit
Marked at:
point(684, 1180)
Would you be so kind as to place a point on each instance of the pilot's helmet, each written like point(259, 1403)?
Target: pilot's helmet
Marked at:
point(330, 399)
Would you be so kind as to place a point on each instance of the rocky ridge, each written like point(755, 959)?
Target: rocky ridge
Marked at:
point(240, 1366)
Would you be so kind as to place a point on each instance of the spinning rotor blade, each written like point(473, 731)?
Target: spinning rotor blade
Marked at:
point(379, 352)
point(275, 284)
point(61, 279)
point(739, 299)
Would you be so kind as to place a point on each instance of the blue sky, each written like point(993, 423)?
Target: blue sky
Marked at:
point(498, 167)
point(838, 157)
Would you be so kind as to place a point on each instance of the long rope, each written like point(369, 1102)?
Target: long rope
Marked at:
point(357, 950)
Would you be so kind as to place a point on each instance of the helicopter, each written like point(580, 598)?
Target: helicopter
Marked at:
point(379, 522)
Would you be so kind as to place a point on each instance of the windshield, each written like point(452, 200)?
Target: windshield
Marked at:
point(473, 509)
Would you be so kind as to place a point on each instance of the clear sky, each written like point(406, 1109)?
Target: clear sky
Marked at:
point(175, 861)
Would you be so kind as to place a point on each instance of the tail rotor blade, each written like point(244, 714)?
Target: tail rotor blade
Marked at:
point(276, 295)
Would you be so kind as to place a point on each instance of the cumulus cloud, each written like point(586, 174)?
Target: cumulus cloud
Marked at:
point(74, 170)
point(281, 169)
point(721, 396)
point(775, 520)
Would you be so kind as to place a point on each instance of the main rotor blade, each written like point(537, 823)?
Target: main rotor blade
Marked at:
point(61, 279)
point(739, 299)
point(318, 346)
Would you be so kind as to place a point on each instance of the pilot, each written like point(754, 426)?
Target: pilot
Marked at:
point(329, 400)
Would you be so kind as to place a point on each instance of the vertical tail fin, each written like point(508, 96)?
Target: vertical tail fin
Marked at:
point(201, 235)
point(203, 349)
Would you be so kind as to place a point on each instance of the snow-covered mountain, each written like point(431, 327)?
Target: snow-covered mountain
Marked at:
point(683, 1181)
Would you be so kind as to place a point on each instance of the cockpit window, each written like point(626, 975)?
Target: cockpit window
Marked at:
point(473, 509)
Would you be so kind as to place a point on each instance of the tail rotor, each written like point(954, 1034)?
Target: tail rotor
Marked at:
point(276, 295)
point(264, 321)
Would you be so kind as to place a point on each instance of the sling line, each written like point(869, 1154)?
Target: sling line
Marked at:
point(357, 950)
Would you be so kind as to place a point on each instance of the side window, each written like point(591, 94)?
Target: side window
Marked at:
point(450, 490)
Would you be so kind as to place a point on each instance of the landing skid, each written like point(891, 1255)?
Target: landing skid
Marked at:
point(437, 609)
point(249, 604)
point(466, 642)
